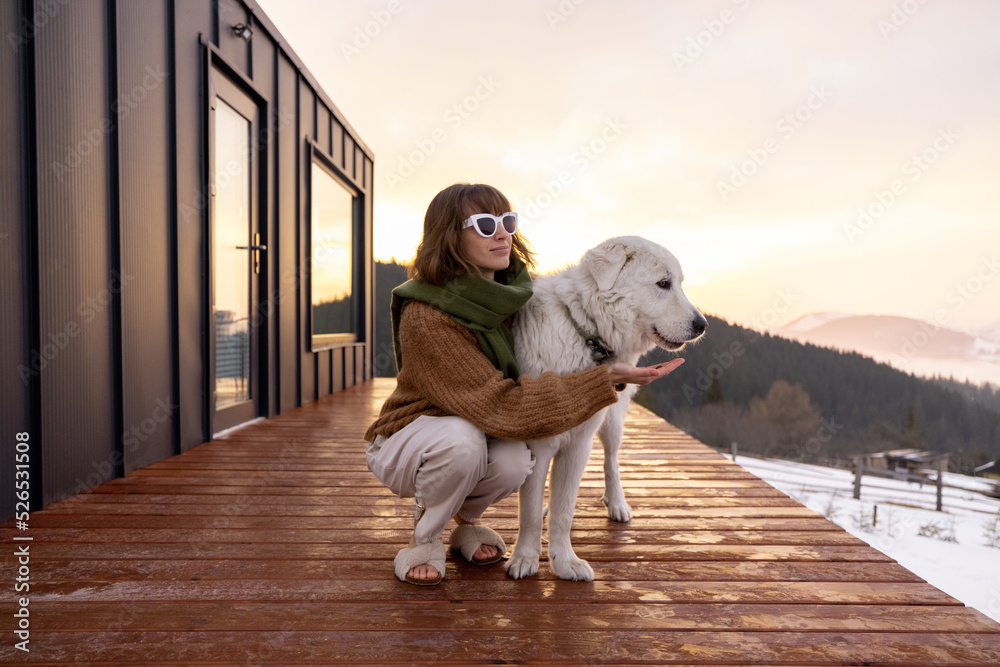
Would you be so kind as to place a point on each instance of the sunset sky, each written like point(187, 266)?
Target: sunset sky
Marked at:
point(795, 155)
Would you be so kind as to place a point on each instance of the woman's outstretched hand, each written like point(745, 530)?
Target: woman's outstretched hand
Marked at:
point(624, 373)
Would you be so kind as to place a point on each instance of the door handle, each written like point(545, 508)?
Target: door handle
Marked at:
point(256, 248)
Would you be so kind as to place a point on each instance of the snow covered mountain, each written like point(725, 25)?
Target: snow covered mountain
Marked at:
point(921, 348)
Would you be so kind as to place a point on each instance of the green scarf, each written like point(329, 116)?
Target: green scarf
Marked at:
point(476, 303)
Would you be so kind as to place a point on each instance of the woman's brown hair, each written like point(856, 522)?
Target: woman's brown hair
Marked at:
point(439, 256)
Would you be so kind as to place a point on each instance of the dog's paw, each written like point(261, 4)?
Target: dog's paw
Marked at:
point(618, 510)
point(572, 569)
point(520, 567)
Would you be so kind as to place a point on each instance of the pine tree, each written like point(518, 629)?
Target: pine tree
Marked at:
point(714, 392)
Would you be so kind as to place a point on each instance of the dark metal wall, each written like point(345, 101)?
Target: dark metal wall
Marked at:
point(78, 289)
point(145, 227)
point(17, 279)
point(104, 240)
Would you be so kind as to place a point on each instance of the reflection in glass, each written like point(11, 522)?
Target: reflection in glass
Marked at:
point(331, 271)
point(231, 267)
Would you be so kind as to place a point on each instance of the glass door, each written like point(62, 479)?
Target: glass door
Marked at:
point(235, 257)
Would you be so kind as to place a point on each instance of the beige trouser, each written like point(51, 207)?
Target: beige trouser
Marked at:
point(449, 467)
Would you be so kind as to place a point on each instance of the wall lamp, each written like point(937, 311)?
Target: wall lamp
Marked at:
point(242, 31)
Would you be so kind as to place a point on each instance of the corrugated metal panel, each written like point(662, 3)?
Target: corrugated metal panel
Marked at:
point(368, 352)
point(337, 151)
point(148, 408)
point(264, 64)
point(191, 17)
point(340, 358)
point(305, 130)
point(15, 360)
point(323, 361)
point(287, 255)
point(348, 164)
point(345, 375)
point(77, 286)
point(362, 367)
point(323, 128)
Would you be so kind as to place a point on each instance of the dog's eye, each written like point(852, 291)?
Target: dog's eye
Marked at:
point(664, 284)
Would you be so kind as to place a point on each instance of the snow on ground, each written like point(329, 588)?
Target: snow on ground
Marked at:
point(956, 559)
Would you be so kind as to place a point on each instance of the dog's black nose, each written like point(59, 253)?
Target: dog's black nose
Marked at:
point(699, 324)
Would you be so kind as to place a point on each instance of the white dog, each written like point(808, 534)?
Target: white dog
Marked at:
point(621, 300)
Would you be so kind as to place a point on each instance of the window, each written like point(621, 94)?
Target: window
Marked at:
point(333, 211)
point(232, 302)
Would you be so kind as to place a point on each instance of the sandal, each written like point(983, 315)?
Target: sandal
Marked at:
point(467, 538)
point(429, 553)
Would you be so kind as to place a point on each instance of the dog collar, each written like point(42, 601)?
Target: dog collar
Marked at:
point(599, 350)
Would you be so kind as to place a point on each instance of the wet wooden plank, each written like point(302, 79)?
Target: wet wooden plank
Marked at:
point(218, 462)
point(76, 569)
point(387, 551)
point(311, 477)
point(815, 648)
point(529, 616)
point(87, 503)
point(303, 484)
point(221, 531)
point(404, 521)
point(464, 586)
point(330, 492)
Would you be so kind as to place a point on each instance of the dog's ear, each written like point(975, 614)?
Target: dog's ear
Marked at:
point(605, 263)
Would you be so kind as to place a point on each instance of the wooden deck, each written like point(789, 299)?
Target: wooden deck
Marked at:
point(275, 546)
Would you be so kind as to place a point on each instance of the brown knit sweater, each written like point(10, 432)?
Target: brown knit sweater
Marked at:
point(445, 372)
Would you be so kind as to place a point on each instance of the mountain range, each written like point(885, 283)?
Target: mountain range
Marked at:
point(923, 348)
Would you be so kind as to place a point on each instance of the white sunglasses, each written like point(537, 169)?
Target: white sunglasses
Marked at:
point(487, 225)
